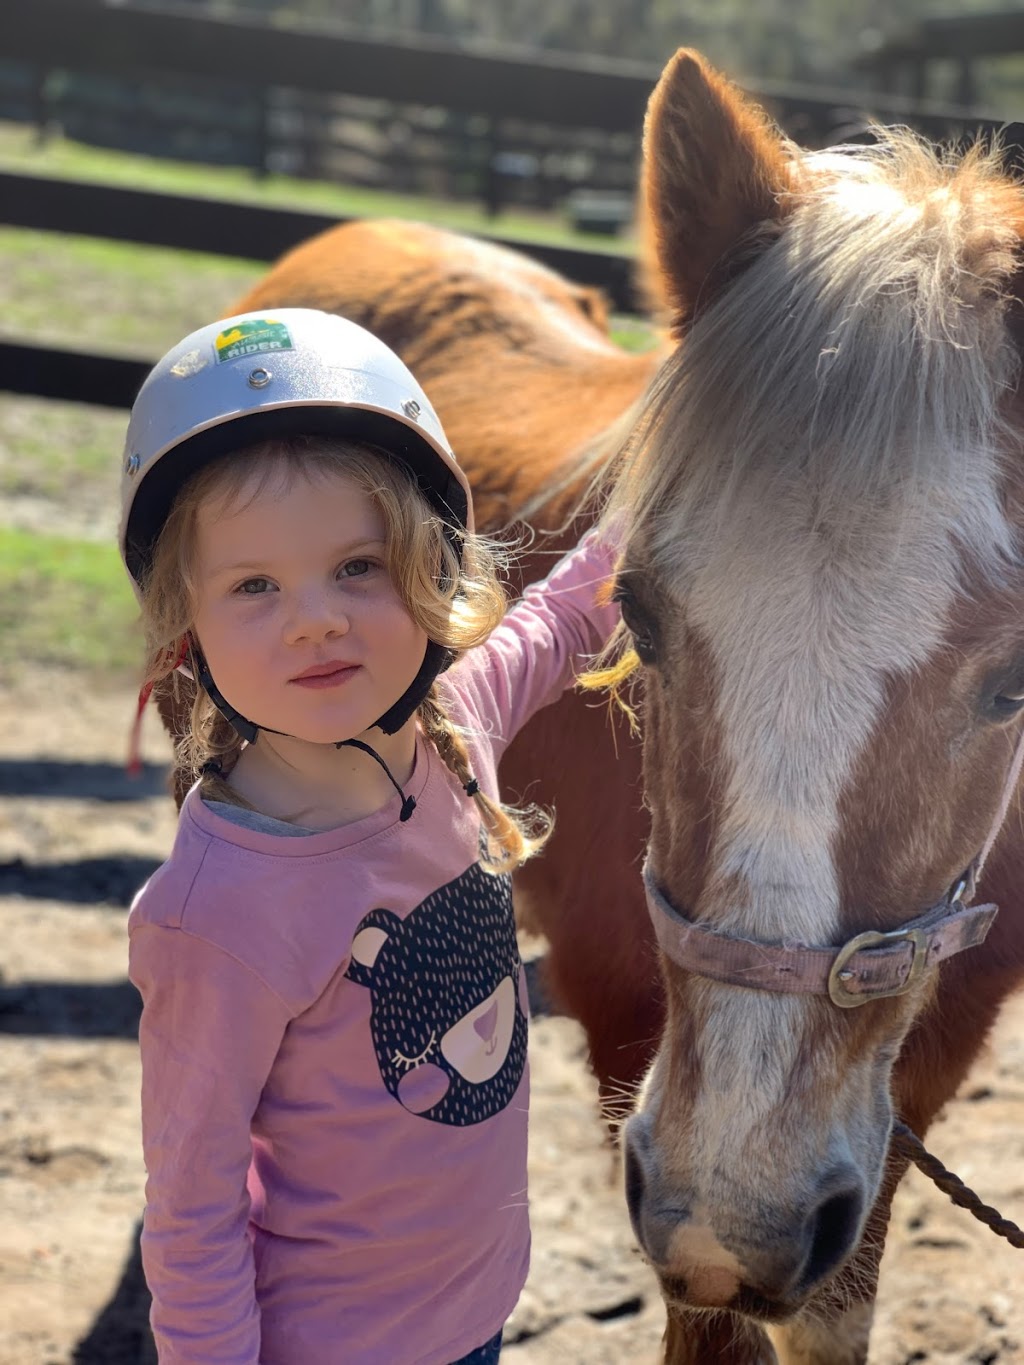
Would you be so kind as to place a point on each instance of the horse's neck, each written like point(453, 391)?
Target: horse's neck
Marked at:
point(566, 503)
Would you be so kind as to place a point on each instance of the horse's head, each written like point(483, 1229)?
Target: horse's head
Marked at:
point(822, 584)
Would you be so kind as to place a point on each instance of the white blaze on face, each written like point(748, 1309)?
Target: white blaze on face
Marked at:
point(804, 629)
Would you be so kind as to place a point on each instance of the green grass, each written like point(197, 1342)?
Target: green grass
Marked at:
point(41, 459)
point(19, 151)
point(60, 467)
point(634, 334)
point(58, 451)
point(84, 291)
point(139, 300)
point(66, 603)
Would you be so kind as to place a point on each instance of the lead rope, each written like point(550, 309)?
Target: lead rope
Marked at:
point(909, 1145)
point(904, 1139)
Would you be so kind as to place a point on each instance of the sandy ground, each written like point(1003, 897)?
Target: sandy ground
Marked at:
point(77, 837)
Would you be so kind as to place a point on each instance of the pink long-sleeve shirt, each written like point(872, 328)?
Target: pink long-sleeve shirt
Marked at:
point(334, 1077)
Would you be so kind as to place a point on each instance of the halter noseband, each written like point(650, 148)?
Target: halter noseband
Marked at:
point(869, 966)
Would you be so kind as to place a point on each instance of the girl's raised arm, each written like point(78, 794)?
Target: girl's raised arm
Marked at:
point(548, 637)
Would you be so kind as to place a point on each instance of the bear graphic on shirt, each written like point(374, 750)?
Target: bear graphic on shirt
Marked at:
point(448, 996)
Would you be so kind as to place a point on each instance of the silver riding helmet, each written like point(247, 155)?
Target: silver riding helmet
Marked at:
point(270, 375)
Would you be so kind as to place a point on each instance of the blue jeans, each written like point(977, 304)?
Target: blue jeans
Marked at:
point(487, 1354)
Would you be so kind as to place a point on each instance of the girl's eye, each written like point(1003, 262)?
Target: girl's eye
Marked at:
point(254, 587)
point(356, 568)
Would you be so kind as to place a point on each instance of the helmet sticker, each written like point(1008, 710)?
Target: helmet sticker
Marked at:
point(252, 337)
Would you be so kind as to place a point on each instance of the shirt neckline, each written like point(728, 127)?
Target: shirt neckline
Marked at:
point(197, 813)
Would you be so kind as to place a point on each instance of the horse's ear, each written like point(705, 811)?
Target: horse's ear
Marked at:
point(715, 170)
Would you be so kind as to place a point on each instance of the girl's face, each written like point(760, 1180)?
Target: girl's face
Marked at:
point(299, 621)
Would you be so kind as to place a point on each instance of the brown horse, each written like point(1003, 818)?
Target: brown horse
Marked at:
point(823, 496)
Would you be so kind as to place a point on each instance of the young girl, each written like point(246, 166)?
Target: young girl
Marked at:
point(334, 1095)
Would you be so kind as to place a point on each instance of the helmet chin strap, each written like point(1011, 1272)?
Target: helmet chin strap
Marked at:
point(408, 802)
point(435, 660)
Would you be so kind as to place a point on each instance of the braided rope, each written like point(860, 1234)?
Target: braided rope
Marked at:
point(908, 1144)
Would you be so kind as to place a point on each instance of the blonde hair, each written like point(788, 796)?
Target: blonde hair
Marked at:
point(457, 604)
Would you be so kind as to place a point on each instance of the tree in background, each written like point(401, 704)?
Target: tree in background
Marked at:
point(806, 40)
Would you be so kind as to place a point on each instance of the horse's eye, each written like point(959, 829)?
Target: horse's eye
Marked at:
point(636, 623)
point(1010, 701)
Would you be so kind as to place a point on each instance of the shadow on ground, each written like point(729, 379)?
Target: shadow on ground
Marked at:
point(120, 1335)
point(83, 881)
point(70, 1009)
point(55, 778)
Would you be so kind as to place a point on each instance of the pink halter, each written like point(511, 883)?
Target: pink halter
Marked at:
point(869, 966)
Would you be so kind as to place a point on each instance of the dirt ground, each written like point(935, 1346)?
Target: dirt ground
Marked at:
point(76, 838)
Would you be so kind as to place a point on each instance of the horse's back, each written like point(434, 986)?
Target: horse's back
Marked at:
point(517, 360)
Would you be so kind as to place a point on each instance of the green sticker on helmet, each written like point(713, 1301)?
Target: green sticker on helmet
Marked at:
point(252, 338)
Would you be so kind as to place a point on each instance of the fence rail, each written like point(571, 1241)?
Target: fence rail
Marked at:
point(561, 89)
point(71, 376)
point(237, 228)
point(116, 39)
point(221, 227)
point(279, 97)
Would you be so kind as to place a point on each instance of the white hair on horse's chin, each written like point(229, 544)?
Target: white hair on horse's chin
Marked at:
point(841, 1339)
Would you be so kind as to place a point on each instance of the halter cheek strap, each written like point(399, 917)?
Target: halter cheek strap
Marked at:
point(1009, 787)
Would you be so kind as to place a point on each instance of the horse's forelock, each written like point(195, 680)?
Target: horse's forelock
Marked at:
point(864, 352)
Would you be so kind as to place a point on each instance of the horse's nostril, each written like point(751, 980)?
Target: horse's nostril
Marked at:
point(634, 1180)
point(833, 1231)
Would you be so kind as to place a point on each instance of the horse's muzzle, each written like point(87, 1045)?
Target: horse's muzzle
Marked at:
point(766, 1267)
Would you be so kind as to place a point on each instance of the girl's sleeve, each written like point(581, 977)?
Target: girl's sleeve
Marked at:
point(548, 637)
point(209, 1034)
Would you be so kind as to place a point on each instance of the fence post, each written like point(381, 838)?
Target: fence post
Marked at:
point(261, 159)
point(491, 186)
point(41, 105)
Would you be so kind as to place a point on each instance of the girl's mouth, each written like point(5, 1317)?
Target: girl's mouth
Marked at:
point(329, 676)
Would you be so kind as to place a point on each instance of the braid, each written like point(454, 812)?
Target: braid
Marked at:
point(513, 836)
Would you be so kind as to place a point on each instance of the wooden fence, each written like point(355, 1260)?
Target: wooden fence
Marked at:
point(274, 92)
point(211, 225)
point(114, 39)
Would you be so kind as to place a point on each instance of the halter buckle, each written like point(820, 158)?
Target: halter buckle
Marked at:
point(840, 973)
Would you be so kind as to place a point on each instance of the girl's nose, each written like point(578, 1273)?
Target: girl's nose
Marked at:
point(316, 615)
